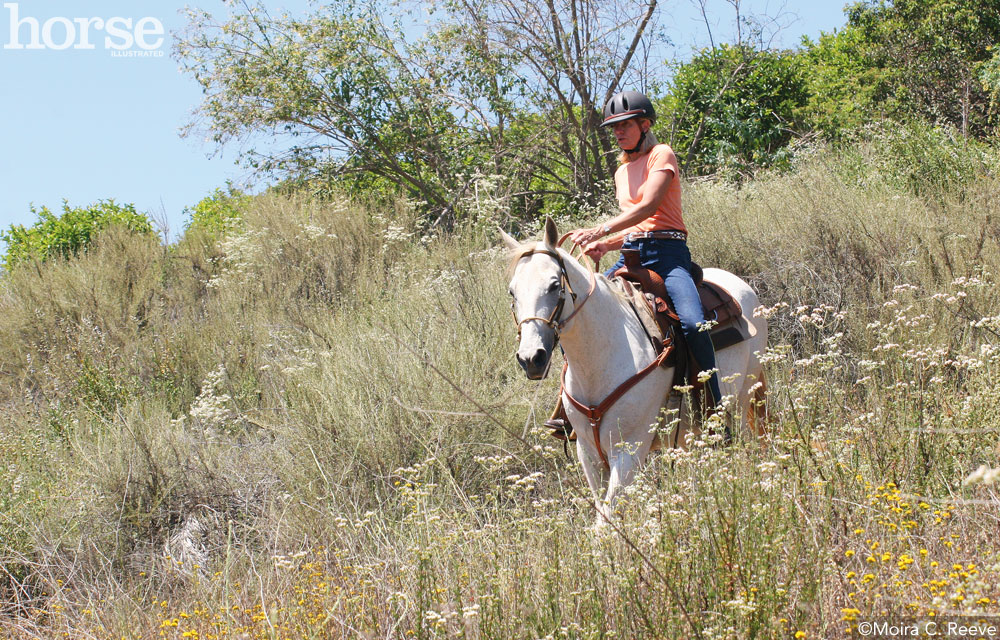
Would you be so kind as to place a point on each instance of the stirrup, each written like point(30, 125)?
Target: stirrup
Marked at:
point(561, 429)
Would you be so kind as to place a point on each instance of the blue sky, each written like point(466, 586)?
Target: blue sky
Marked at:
point(84, 125)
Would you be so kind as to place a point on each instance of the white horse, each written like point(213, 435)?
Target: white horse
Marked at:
point(555, 298)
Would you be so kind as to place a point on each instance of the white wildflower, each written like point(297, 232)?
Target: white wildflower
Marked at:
point(210, 407)
point(984, 475)
point(470, 611)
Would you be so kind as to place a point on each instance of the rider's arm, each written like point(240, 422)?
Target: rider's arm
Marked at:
point(653, 192)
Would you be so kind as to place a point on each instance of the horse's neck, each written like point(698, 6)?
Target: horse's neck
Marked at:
point(604, 343)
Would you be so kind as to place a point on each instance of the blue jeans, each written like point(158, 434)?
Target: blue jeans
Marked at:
point(672, 261)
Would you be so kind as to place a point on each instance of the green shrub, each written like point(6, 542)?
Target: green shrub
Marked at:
point(846, 88)
point(216, 213)
point(734, 110)
point(917, 157)
point(65, 235)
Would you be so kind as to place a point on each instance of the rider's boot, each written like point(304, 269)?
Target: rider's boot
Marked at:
point(558, 422)
point(714, 414)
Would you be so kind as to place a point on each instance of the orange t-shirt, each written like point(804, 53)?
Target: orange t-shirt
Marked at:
point(630, 178)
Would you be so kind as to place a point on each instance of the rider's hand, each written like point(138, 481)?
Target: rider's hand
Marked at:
point(584, 237)
point(596, 250)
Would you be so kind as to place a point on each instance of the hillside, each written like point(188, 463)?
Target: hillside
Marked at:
point(278, 432)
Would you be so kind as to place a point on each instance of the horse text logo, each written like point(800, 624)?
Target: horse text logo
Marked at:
point(121, 35)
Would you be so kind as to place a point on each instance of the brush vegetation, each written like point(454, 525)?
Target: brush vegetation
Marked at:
point(309, 426)
point(68, 233)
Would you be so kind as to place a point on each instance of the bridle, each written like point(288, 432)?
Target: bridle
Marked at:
point(554, 321)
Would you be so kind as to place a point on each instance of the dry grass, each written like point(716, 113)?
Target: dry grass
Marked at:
point(253, 439)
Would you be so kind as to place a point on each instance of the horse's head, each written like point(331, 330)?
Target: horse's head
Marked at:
point(541, 298)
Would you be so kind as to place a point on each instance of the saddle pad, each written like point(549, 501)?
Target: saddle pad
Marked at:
point(642, 305)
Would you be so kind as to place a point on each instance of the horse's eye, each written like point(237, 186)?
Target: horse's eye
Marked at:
point(553, 286)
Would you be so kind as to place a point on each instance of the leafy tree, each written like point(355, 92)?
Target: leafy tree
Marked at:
point(67, 234)
point(932, 52)
point(845, 87)
point(989, 75)
point(337, 87)
point(734, 109)
point(350, 96)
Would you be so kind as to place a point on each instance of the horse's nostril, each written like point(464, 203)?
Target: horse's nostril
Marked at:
point(539, 358)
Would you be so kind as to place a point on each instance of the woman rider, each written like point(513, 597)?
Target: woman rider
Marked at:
point(648, 188)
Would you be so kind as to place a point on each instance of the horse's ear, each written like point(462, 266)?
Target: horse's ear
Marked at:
point(551, 236)
point(508, 241)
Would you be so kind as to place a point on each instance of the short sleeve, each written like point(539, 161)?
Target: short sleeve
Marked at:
point(662, 158)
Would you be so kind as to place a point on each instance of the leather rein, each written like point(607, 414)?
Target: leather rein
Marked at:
point(594, 413)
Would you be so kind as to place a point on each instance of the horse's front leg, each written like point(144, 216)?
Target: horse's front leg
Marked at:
point(596, 475)
point(625, 462)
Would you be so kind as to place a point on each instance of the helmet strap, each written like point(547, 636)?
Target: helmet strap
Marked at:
point(638, 145)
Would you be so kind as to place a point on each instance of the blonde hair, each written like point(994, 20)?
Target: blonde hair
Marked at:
point(648, 143)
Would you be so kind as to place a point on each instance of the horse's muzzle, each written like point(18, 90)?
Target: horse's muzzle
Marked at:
point(536, 364)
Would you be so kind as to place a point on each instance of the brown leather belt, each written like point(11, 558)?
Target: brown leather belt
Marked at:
point(655, 235)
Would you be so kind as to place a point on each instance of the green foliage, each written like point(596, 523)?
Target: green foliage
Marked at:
point(734, 109)
point(926, 160)
point(65, 235)
point(989, 75)
point(931, 52)
point(357, 101)
point(844, 85)
point(353, 97)
point(218, 212)
point(103, 390)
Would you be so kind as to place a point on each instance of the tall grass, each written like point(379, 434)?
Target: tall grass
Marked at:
point(311, 428)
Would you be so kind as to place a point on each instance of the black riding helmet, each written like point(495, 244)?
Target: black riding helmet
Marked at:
point(627, 105)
